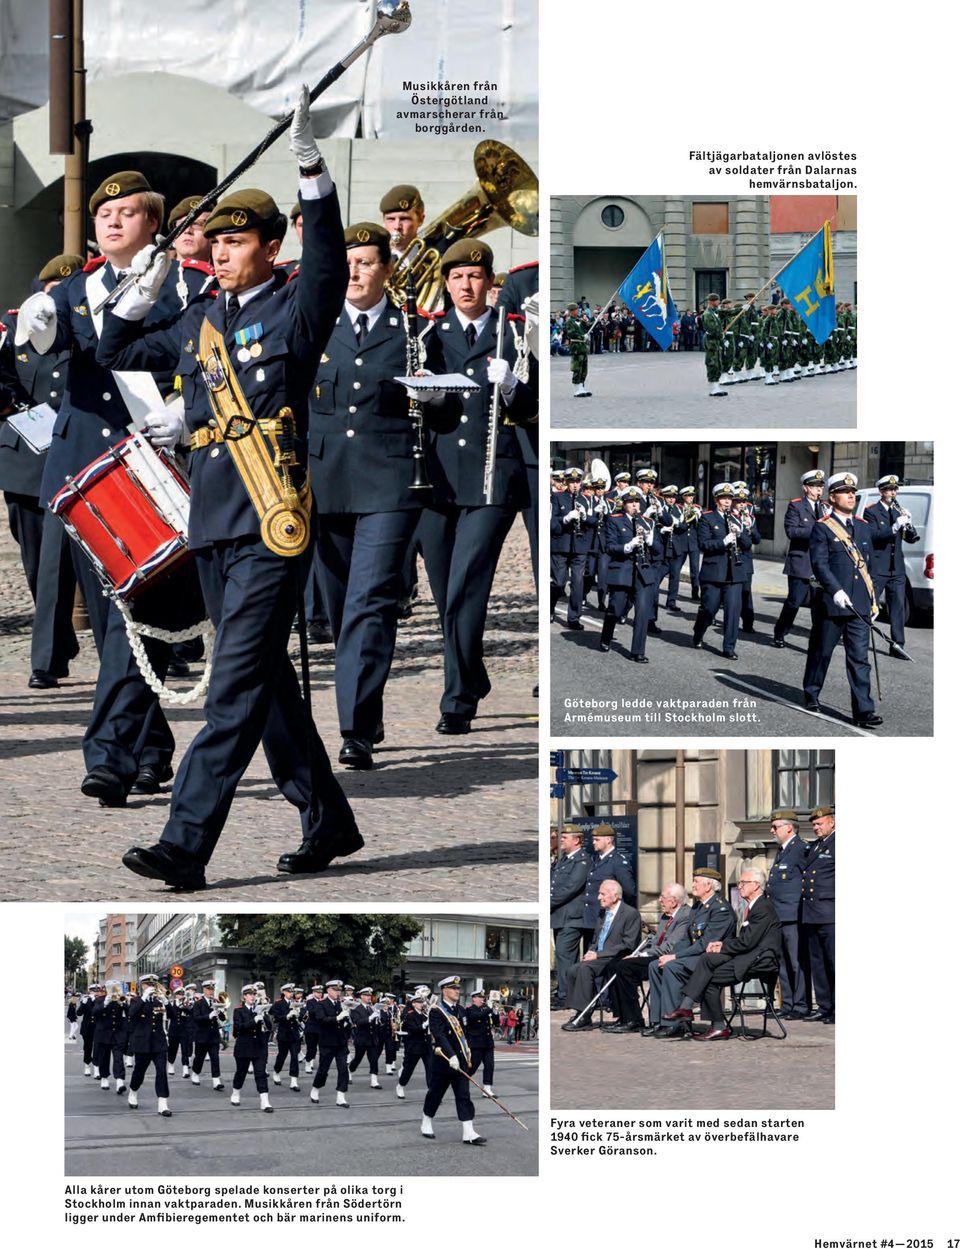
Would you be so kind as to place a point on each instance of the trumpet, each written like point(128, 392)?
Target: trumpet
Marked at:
point(691, 513)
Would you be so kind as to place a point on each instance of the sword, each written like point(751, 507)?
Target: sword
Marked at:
point(393, 17)
point(496, 1101)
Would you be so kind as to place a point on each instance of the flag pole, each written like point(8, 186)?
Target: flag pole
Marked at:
point(771, 281)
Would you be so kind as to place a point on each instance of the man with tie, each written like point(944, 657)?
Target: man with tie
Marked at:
point(890, 526)
point(361, 470)
point(785, 888)
point(128, 740)
point(841, 556)
point(617, 933)
point(631, 970)
point(461, 534)
point(817, 911)
point(268, 336)
point(801, 515)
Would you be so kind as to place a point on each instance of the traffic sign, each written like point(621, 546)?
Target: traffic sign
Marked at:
point(586, 776)
point(557, 791)
point(176, 971)
point(556, 758)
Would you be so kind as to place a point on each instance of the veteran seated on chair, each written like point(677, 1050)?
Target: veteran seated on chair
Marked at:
point(617, 933)
point(631, 970)
point(727, 962)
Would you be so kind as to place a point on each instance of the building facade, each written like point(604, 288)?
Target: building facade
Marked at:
point(193, 942)
point(703, 806)
point(116, 952)
point(496, 955)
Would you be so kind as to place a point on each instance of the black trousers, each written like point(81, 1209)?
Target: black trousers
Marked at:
point(287, 1046)
point(894, 586)
point(312, 1041)
point(564, 568)
point(409, 1065)
point(372, 1051)
point(827, 631)
point(180, 1044)
point(461, 547)
point(200, 1051)
point(706, 983)
point(819, 942)
point(259, 1063)
point(389, 1048)
point(140, 1064)
point(441, 1078)
point(48, 566)
point(624, 999)
point(105, 1052)
point(87, 1048)
point(482, 1058)
point(326, 1057)
point(798, 594)
point(251, 595)
point(712, 596)
point(794, 970)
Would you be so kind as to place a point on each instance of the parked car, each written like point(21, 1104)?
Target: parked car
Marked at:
point(917, 556)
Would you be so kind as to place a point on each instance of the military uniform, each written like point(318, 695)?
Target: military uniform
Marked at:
point(817, 920)
point(415, 1028)
point(713, 345)
point(205, 1016)
point(712, 920)
point(842, 565)
point(179, 1034)
point(87, 1029)
point(478, 1026)
point(687, 496)
point(367, 1039)
point(251, 1039)
point(110, 1039)
point(888, 532)
point(333, 1035)
point(568, 879)
point(633, 578)
point(250, 591)
point(785, 889)
point(148, 1044)
point(614, 865)
point(676, 547)
point(570, 542)
point(576, 340)
point(523, 282)
point(798, 522)
point(286, 1015)
point(769, 345)
point(312, 1029)
point(723, 574)
point(446, 1022)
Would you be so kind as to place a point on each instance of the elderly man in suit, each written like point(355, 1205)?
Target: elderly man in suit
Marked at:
point(631, 970)
point(616, 934)
point(728, 961)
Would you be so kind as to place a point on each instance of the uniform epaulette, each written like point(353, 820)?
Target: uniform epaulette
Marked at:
point(12, 312)
point(94, 264)
point(530, 264)
point(869, 506)
point(203, 265)
point(516, 316)
point(710, 513)
point(796, 500)
point(435, 316)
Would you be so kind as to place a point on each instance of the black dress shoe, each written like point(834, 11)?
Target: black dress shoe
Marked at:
point(573, 1025)
point(477, 1140)
point(319, 633)
point(651, 1030)
point(818, 1015)
point(695, 595)
point(779, 643)
point(41, 680)
point(313, 856)
point(670, 1032)
point(621, 1027)
point(654, 629)
point(730, 655)
point(575, 626)
point(103, 783)
point(357, 753)
point(149, 779)
point(795, 1015)
point(870, 721)
point(178, 667)
point(828, 1019)
point(896, 652)
point(167, 863)
point(640, 659)
point(811, 704)
point(453, 724)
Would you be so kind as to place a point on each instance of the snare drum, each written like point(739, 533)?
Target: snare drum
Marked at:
point(129, 511)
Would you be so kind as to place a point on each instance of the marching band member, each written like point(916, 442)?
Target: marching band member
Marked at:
point(415, 1030)
point(634, 549)
point(72, 1019)
point(311, 1026)
point(692, 511)
point(890, 526)
point(110, 1035)
point(573, 525)
point(333, 1021)
point(148, 1041)
point(367, 1035)
point(251, 1029)
point(742, 510)
point(286, 1012)
point(207, 1015)
point(453, 1057)
point(179, 1033)
point(389, 1013)
point(87, 1025)
point(478, 1025)
point(801, 515)
point(723, 572)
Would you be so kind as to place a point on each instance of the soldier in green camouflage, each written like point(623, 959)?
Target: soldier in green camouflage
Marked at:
point(852, 332)
point(747, 330)
point(769, 345)
point(728, 347)
point(713, 345)
point(576, 341)
point(791, 327)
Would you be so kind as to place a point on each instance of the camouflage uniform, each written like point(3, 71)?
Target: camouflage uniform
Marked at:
point(747, 329)
point(713, 344)
point(791, 327)
point(579, 351)
point(769, 344)
point(728, 347)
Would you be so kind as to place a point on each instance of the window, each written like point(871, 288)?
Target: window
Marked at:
point(710, 282)
point(803, 779)
point(711, 218)
point(589, 799)
point(115, 949)
point(612, 216)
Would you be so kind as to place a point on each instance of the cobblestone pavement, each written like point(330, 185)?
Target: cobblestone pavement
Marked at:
point(599, 1071)
point(433, 811)
point(378, 1135)
point(664, 389)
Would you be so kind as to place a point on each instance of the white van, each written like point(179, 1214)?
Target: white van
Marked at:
point(918, 556)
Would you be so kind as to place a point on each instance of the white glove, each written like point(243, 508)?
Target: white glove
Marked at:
point(571, 516)
point(842, 599)
point(666, 528)
point(302, 143)
point(147, 994)
point(730, 539)
point(455, 1064)
point(647, 537)
point(499, 374)
point(901, 523)
point(906, 517)
point(164, 428)
point(150, 273)
point(214, 1016)
point(632, 544)
point(651, 512)
point(344, 1014)
point(36, 313)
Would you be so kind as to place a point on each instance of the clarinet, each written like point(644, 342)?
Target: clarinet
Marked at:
point(490, 458)
point(734, 527)
point(421, 479)
point(640, 532)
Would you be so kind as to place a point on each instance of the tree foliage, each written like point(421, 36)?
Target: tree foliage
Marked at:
point(74, 957)
point(361, 949)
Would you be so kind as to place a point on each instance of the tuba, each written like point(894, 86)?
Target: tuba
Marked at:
point(506, 193)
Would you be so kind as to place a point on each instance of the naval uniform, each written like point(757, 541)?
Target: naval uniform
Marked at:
point(416, 1045)
point(250, 592)
point(817, 919)
point(367, 1036)
point(179, 1033)
point(148, 1043)
point(478, 1026)
point(206, 1035)
point(333, 1035)
point(461, 536)
point(446, 1024)
point(633, 577)
point(109, 1037)
point(888, 569)
point(287, 1016)
point(676, 548)
point(311, 1029)
point(722, 578)
point(834, 569)
point(798, 522)
point(361, 468)
point(251, 1034)
point(87, 1027)
point(570, 544)
point(30, 378)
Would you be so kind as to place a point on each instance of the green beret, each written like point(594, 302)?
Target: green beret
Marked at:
point(366, 234)
point(60, 267)
point(712, 296)
point(402, 199)
point(572, 308)
point(296, 211)
point(710, 873)
point(782, 814)
point(467, 252)
point(186, 205)
point(573, 830)
point(127, 182)
point(604, 830)
point(243, 210)
point(820, 812)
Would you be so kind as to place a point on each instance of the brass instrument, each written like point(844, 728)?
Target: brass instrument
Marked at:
point(493, 426)
point(691, 514)
point(421, 479)
point(506, 193)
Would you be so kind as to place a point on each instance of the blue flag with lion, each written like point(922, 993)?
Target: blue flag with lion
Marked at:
point(807, 282)
point(647, 293)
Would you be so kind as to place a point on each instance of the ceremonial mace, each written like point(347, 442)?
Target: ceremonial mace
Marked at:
point(496, 1101)
point(393, 17)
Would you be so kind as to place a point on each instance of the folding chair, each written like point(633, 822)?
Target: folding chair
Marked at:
point(765, 971)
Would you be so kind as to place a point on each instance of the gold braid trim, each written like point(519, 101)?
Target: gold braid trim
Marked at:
point(859, 563)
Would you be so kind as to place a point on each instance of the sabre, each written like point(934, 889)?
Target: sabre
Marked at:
point(496, 1101)
point(393, 17)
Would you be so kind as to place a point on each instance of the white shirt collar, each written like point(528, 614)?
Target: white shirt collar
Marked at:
point(373, 313)
point(245, 296)
point(478, 324)
point(612, 911)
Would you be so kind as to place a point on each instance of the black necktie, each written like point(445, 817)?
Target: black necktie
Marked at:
point(233, 311)
point(471, 333)
point(849, 525)
point(361, 327)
